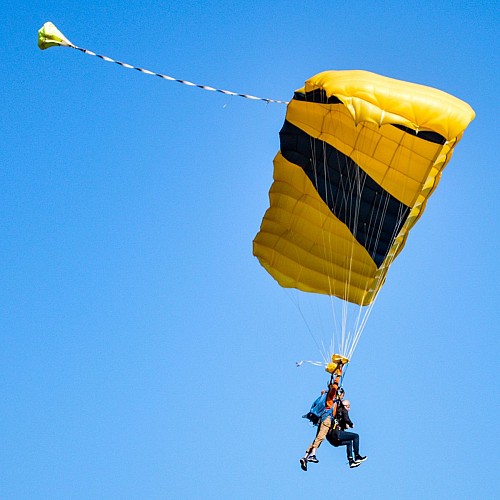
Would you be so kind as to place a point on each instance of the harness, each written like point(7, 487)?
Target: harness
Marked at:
point(331, 412)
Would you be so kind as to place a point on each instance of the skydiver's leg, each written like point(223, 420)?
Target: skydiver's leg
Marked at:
point(323, 429)
point(311, 450)
point(352, 437)
point(348, 448)
point(355, 441)
point(350, 440)
point(321, 433)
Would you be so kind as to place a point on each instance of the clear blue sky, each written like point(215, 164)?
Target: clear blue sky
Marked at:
point(144, 353)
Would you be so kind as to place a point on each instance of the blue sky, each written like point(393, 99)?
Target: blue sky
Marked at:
point(144, 351)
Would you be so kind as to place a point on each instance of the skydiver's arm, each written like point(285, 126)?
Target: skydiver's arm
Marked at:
point(332, 392)
point(348, 419)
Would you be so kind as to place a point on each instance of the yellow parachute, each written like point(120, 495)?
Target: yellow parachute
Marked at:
point(359, 156)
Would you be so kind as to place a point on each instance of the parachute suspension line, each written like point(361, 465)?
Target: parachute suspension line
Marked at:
point(47, 38)
point(354, 187)
point(390, 257)
point(320, 345)
point(330, 249)
point(338, 339)
point(368, 312)
point(363, 312)
point(346, 187)
point(359, 329)
point(357, 189)
point(327, 246)
point(325, 351)
point(348, 199)
point(321, 348)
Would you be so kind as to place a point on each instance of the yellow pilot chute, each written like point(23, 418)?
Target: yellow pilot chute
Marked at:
point(360, 154)
point(50, 36)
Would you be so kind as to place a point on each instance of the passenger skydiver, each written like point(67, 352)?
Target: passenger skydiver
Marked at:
point(339, 437)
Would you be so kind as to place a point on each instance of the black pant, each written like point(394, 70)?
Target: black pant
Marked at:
point(349, 439)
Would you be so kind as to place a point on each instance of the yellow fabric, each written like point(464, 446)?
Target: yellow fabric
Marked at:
point(50, 36)
point(381, 100)
point(387, 154)
point(301, 243)
point(336, 360)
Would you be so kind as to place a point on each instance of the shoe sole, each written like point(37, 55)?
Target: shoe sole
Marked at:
point(303, 464)
point(354, 465)
point(360, 461)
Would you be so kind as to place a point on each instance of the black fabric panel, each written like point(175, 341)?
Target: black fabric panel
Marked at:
point(319, 96)
point(425, 135)
point(344, 186)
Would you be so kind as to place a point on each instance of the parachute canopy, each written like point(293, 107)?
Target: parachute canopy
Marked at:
point(359, 156)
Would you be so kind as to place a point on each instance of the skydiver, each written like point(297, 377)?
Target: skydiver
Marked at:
point(338, 436)
point(326, 421)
